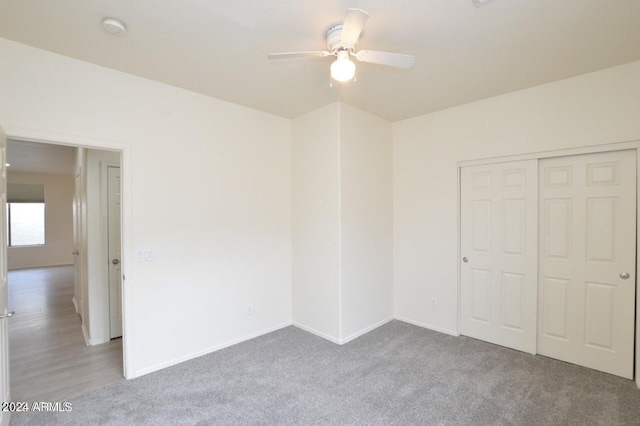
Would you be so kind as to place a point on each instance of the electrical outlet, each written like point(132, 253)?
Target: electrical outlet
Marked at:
point(434, 303)
point(249, 310)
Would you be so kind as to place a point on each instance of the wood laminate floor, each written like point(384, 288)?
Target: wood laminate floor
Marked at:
point(49, 358)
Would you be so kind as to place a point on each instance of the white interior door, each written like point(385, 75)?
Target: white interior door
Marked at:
point(77, 244)
point(115, 267)
point(587, 260)
point(499, 236)
point(4, 291)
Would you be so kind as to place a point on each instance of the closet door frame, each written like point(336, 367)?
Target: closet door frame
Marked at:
point(632, 145)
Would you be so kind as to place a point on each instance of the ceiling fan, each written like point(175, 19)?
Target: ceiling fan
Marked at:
point(341, 42)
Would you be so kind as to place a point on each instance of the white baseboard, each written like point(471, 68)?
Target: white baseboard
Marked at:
point(87, 341)
point(91, 342)
point(75, 305)
point(207, 351)
point(341, 341)
point(317, 333)
point(428, 326)
point(366, 330)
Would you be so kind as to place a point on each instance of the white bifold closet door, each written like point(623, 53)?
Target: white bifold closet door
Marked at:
point(587, 256)
point(499, 235)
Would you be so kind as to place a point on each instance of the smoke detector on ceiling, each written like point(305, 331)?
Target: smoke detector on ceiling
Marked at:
point(114, 26)
point(478, 3)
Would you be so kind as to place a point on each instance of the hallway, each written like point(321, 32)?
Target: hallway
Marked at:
point(49, 358)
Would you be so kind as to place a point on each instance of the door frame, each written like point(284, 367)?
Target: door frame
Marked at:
point(620, 146)
point(125, 149)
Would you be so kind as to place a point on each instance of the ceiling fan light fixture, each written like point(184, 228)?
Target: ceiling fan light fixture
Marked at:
point(343, 69)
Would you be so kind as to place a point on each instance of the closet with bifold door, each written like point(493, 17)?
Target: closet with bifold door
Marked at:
point(548, 257)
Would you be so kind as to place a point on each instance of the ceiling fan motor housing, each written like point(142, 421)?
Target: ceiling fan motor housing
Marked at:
point(333, 39)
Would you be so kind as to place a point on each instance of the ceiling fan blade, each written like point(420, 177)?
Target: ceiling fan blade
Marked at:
point(352, 26)
point(385, 58)
point(319, 53)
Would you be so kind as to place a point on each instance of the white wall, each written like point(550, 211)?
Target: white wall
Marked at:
point(597, 108)
point(58, 246)
point(316, 221)
point(366, 221)
point(342, 222)
point(207, 185)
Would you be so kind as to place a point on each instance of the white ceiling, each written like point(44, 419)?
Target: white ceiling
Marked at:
point(33, 157)
point(220, 47)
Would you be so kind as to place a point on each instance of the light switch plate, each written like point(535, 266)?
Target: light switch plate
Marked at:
point(145, 255)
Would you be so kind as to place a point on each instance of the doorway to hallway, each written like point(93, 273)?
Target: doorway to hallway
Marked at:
point(60, 343)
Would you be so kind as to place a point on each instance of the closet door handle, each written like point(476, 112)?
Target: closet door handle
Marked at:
point(8, 315)
point(465, 259)
point(624, 275)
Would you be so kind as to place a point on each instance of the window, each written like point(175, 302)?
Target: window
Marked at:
point(25, 215)
point(25, 224)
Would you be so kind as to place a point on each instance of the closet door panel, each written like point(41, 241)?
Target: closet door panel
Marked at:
point(499, 248)
point(587, 260)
